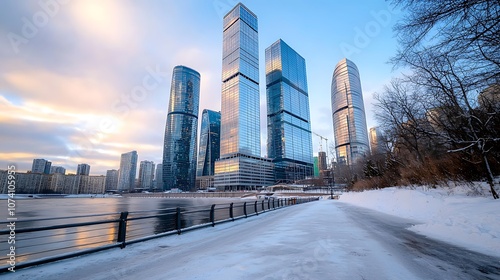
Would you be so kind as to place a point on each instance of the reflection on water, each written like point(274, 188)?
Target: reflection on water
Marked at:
point(162, 211)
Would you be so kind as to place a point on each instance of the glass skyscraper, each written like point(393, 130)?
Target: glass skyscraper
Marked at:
point(209, 149)
point(289, 141)
point(179, 150)
point(349, 120)
point(240, 165)
point(158, 180)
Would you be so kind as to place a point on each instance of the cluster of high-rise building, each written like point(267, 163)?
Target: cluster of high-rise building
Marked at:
point(41, 180)
point(46, 178)
point(229, 155)
point(124, 179)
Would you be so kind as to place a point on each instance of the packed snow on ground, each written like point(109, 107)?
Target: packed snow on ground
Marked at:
point(465, 215)
point(289, 243)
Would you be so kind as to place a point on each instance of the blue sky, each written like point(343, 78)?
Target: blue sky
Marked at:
point(85, 81)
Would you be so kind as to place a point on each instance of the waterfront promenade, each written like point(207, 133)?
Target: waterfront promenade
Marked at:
point(326, 239)
point(306, 241)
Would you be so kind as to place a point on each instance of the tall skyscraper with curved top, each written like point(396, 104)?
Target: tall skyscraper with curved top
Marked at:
point(240, 165)
point(349, 120)
point(289, 141)
point(179, 150)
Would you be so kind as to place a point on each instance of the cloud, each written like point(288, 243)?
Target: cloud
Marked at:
point(56, 91)
point(106, 22)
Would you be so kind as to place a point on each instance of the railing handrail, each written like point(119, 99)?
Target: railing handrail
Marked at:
point(24, 230)
point(67, 217)
point(249, 208)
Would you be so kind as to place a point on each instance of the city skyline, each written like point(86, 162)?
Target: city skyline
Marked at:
point(120, 71)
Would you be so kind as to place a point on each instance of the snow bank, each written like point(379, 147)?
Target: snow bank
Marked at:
point(456, 215)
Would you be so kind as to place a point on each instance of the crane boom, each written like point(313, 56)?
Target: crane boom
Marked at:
point(321, 142)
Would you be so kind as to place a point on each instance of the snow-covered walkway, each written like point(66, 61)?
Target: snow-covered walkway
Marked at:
point(315, 240)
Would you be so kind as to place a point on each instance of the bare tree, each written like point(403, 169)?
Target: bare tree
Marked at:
point(401, 111)
point(465, 29)
point(453, 49)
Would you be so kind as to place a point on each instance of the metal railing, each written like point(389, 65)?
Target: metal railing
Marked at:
point(39, 241)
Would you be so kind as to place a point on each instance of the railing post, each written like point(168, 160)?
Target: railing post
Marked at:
point(245, 209)
point(255, 207)
point(231, 211)
point(273, 205)
point(178, 220)
point(122, 229)
point(268, 204)
point(263, 206)
point(212, 215)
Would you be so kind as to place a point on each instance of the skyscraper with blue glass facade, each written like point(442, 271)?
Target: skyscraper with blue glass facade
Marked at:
point(289, 141)
point(179, 150)
point(349, 120)
point(209, 148)
point(240, 165)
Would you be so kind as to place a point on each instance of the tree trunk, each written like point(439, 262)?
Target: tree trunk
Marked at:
point(490, 177)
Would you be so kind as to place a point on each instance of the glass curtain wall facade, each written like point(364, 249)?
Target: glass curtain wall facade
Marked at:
point(349, 120)
point(289, 141)
point(158, 180)
point(179, 150)
point(209, 149)
point(240, 112)
point(240, 126)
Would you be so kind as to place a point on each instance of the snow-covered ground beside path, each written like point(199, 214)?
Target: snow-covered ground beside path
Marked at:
point(453, 215)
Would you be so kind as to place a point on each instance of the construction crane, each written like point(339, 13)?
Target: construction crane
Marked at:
point(321, 143)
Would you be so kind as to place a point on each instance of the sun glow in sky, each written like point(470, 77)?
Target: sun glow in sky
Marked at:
point(84, 81)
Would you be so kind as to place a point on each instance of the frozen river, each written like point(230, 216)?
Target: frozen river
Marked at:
point(38, 213)
point(63, 207)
